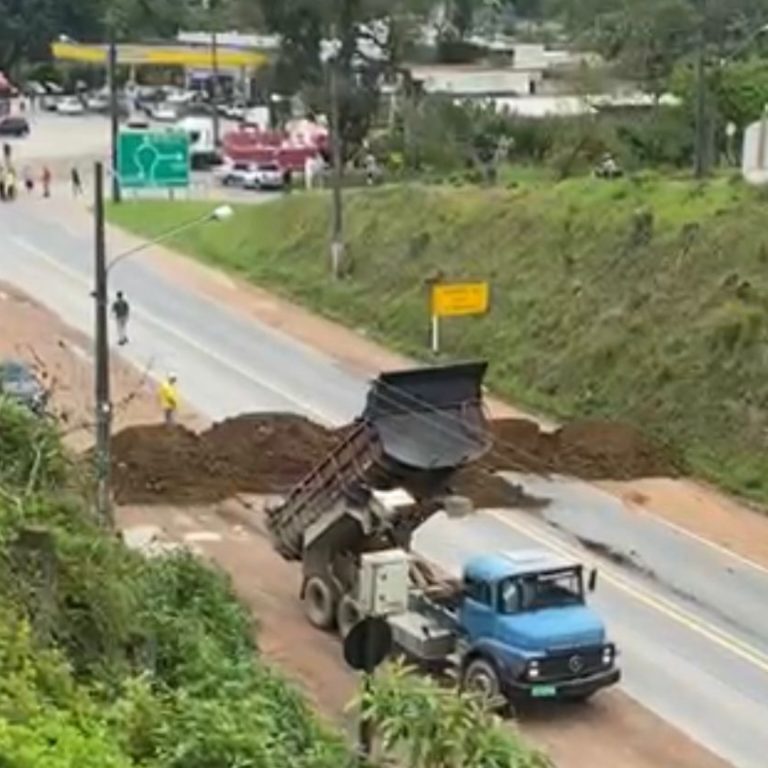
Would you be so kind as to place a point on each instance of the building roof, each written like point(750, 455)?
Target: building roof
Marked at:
point(499, 565)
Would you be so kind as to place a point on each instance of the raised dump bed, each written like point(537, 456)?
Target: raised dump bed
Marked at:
point(418, 427)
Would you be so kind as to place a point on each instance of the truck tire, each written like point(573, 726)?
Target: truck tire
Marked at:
point(320, 602)
point(480, 677)
point(347, 615)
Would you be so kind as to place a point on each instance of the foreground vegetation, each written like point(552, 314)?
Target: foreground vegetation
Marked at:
point(642, 300)
point(110, 660)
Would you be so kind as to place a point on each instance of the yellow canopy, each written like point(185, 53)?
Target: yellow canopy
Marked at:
point(181, 55)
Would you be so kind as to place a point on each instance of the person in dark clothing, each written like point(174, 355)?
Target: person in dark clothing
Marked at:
point(77, 184)
point(121, 311)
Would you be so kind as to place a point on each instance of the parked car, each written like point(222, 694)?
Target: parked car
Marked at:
point(165, 112)
point(233, 174)
point(137, 122)
point(19, 383)
point(14, 126)
point(97, 102)
point(267, 176)
point(70, 105)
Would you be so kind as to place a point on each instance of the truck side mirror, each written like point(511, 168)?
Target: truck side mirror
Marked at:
point(592, 584)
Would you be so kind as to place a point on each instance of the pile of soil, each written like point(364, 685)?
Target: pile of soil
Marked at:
point(590, 449)
point(252, 453)
point(268, 453)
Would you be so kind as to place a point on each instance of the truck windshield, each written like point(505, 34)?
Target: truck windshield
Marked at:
point(536, 591)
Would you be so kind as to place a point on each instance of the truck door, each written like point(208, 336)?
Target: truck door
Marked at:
point(477, 610)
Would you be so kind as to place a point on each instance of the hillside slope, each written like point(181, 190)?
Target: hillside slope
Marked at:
point(642, 300)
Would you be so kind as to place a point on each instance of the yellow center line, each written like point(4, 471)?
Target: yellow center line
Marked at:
point(669, 609)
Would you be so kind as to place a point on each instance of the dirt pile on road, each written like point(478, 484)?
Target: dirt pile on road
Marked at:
point(268, 453)
point(591, 450)
point(253, 453)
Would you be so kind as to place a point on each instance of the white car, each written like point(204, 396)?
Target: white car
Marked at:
point(165, 113)
point(137, 122)
point(258, 117)
point(235, 174)
point(179, 97)
point(267, 176)
point(70, 105)
point(235, 111)
point(97, 103)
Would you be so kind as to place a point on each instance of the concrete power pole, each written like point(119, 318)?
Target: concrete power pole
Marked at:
point(114, 111)
point(337, 232)
point(701, 148)
point(103, 403)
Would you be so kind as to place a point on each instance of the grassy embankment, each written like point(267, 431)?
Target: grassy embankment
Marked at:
point(594, 313)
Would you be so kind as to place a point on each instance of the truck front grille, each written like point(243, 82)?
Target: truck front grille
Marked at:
point(572, 664)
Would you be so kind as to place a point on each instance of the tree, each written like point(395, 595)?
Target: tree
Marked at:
point(26, 29)
point(372, 37)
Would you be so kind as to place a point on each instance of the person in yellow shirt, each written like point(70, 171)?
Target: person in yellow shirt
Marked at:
point(169, 398)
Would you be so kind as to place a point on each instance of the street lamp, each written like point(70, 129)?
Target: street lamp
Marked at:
point(101, 294)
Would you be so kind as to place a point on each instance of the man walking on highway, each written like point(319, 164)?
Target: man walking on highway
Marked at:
point(77, 184)
point(169, 398)
point(122, 311)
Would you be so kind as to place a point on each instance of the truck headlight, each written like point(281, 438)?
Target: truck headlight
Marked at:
point(608, 655)
point(532, 670)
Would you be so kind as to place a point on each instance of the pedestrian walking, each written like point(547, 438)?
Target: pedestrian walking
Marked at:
point(7, 153)
point(169, 398)
point(77, 184)
point(46, 181)
point(121, 311)
point(29, 179)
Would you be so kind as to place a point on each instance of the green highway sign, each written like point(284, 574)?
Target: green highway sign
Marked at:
point(153, 159)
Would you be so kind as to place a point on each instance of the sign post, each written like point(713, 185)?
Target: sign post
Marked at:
point(456, 300)
point(153, 159)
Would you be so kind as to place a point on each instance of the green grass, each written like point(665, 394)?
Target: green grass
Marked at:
point(590, 317)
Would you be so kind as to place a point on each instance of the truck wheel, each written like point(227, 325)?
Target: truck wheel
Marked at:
point(481, 678)
point(320, 602)
point(347, 615)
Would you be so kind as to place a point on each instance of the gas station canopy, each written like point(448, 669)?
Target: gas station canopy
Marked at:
point(161, 55)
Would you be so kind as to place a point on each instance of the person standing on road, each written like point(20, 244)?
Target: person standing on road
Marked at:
point(77, 184)
point(169, 398)
point(10, 183)
point(29, 179)
point(121, 311)
point(46, 181)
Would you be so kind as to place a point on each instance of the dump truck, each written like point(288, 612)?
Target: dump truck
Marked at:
point(515, 625)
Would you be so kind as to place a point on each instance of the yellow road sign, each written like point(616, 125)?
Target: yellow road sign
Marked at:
point(454, 299)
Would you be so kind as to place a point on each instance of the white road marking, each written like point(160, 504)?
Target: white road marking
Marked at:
point(713, 545)
point(613, 576)
point(150, 317)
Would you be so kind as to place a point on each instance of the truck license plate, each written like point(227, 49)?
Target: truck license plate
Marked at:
point(543, 691)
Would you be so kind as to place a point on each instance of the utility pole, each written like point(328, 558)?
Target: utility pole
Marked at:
point(701, 165)
point(337, 233)
point(208, 6)
point(114, 112)
point(215, 94)
point(103, 404)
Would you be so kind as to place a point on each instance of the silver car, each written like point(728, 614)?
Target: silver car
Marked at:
point(19, 383)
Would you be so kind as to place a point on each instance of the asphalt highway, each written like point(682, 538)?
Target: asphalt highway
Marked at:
point(690, 619)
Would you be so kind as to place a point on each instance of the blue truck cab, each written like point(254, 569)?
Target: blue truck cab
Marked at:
point(527, 632)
